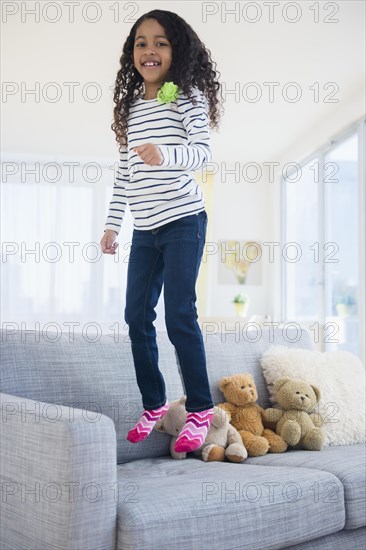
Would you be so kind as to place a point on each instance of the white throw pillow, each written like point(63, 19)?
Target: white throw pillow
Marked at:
point(340, 376)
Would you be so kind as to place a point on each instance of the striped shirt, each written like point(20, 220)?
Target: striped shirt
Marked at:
point(159, 194)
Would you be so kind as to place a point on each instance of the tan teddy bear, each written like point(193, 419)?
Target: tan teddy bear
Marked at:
point(247, 416)
point(222, 439)
point(298, 428)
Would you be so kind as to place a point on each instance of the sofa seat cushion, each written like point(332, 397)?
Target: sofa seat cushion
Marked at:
point(346, 462)
point(347, 539)
point(165, 503)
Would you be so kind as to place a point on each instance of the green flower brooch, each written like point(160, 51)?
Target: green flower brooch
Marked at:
point(168, 92)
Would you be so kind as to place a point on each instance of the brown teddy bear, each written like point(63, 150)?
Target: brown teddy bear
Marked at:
point(247, 416)
point(298, 428)
point(222, 439)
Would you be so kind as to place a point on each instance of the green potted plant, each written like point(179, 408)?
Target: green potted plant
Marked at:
point(241, 303)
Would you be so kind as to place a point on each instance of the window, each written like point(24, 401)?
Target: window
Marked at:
point(54, 275)
point(323, 283)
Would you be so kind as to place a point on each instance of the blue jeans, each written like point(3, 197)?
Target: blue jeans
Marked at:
point(170, 254)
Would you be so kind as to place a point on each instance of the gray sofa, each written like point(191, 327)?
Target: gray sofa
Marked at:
point(71, 480)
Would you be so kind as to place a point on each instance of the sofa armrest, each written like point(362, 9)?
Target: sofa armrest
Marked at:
point(58, 477)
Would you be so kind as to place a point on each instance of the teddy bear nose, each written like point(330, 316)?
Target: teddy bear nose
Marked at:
point(302, 398)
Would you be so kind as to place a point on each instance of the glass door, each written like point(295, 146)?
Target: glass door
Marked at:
point(323, 244)
point(342, 232)
point(300, 231)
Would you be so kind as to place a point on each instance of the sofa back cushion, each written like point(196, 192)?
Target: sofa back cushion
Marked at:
point(238, 352)
point(99, 376)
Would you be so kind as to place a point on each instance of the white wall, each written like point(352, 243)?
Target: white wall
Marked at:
point(305, 52)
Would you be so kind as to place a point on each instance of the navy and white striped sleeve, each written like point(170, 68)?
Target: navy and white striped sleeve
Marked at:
point(117, 206)
point(198, 151)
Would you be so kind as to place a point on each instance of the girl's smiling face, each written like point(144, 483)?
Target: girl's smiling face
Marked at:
point(152, 46)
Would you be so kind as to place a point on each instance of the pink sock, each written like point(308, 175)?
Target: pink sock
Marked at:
point(146, 423)
point(194, 431)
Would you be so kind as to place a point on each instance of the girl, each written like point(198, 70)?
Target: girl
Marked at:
point(165, 95)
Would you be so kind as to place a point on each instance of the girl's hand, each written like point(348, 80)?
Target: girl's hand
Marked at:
point(107, 242)
point(149, 153)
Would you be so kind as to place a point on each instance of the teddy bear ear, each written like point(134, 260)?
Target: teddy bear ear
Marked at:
point(280, 382)
point(183, 399)
point(224, 382)
point(317, 392)
point(159, 426)
point(220, 418)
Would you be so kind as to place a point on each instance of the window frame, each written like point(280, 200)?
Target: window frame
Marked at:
point(358, 127)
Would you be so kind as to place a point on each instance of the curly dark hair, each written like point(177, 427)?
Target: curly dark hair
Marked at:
point(187, 50)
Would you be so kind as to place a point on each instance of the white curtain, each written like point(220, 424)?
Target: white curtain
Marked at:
point(54, 276)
